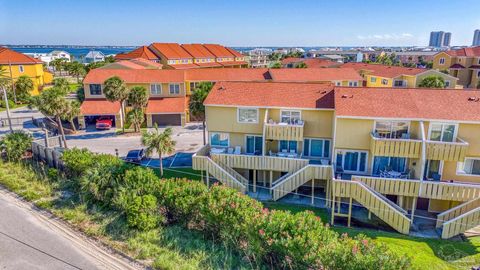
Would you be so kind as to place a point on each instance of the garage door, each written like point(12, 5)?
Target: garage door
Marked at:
point(167, 119)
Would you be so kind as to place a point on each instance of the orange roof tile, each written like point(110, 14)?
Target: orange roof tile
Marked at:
point(412, 103)
point(208, 64)
point(383, 70)
point(197, 51)
point(311, 62)
point(146, 63)
point(135, 75)
point(469, 52)
point(10, 56)
point(183, 66)
point(271, 94)
point(166, 105)
point(170, 50)
point(99, 107)
point(314, 74)
point(227, 74)
point(218, 50)
point(234, 52)
point(140, 52)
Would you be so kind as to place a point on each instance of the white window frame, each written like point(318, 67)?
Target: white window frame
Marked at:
point(373, 79)
point(359, 156)
point(213, 133)
point(310, 147)
point(338, 83)
point(404, 83)
point(447, 83)
point(384, 82)
point(428, 164)
point(252, 135)
point(21, 69)
point(441, 61)
point(170, 89)
point(90, 91)
point(455, 133)
point(461, 167)
point(353, 83)
point(247, 108)
point(281, 111)
point(391, 121)
point(156, 85)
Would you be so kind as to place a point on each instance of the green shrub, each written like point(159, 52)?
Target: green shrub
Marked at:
point(181, 198)
point(11, 104)
point(78, 161)
point(137, 181)
point(15, 145)
point(142, 213)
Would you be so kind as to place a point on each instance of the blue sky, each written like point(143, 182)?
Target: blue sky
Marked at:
point(237, 23)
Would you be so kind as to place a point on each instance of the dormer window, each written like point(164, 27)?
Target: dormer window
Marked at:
point(441, 61)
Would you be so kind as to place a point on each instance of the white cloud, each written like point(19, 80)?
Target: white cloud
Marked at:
point(402, 36)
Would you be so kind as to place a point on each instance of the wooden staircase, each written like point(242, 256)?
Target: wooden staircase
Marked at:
point(459, 219)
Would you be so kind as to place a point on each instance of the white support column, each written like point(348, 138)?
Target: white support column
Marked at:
point(254, 181)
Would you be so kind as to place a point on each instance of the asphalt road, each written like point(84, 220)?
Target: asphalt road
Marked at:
point(31, 240)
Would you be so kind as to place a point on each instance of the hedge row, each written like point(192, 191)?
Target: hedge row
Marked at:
point(268, 239)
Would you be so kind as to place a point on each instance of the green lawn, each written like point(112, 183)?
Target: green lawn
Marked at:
point(180, 173)
point(74, 87)
point(425, 253)
point(13, 107)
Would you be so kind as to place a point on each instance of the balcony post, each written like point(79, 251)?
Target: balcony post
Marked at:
point(350, 212)
point(254, 181)
point(313, 191)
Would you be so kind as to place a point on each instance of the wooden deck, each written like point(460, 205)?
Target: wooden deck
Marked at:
point(284, 132)
point(407, 148)
point(261, 162)
point(449, 151)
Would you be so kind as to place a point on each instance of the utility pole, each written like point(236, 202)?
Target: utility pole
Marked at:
point(8, 108)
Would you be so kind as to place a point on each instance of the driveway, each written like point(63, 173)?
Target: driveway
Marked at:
point(30, 239)
point(189, 139)
point(21, 120)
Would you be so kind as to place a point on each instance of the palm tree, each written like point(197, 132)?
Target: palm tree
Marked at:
point(160, 142)
point(138, 97)
point(116, 90)
point(197, 108)
point(23, 87)
point(62, 84)
point(4, 81)
point(76, 69)
point(72, 110)
point(136, 117)
point(52, 102)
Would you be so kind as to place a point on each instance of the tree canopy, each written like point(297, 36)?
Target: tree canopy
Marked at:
point(432, 82)
point(160, 142)
point(23, 88)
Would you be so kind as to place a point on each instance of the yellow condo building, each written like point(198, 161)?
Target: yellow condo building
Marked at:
point(398, 154)
point(462, 63)
point(377, 75)
point(18, 64)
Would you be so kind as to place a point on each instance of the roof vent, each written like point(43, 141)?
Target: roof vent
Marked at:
point(221, 88)
point(346, 96)
point(476, 99)
point(323, 92)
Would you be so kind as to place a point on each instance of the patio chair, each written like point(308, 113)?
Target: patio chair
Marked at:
point(406, 174)
point(405, 136)
point(436, 177)
point(238, 150)
point(270, 121)
point(284, 151)
point(292, 151)
point(230, 150)
point(270, 153)
point(324, 161)
point(300, 122)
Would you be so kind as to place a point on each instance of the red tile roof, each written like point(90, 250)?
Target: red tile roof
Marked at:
point(383, 70)
point(314, 74)
point(170, 50)
point(234, 52)
point(197, 51)
point(412, 103)
point(227, 74)
point(166, 105)
point(469, 52)
point(208, 64)
point(99, 107)
point(183, 66)
point(10, 56)
point(218, 50)
point(146, 63)
point(311, 62)
point(135, 75)
point(140, 52)
point(271, 94)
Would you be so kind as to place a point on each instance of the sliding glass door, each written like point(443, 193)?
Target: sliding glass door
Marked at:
point(388, 164)
point(352, 161)
point(254, 144)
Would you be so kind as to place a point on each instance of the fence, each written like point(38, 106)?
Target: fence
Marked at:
point(48, 150)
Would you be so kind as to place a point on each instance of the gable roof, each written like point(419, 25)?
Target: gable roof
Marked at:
point(99, 107)
point(8, 56)
point(314, 74)
point(311, 62)
point(170, 50)
point(94, 54)
point(218, 50)
point(384, 70)
point(408, 103)
point(227, 74)
point(166, 105)
point(98, 75)
point(234, 52)
point(272, 94)
point(468, 52)
point(197, 51)
point(140, 52)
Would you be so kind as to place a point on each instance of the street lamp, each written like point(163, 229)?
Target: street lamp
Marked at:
point(7, 108)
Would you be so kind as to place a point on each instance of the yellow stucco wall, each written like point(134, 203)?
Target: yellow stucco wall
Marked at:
point(353, 134)
point(378, 82)
point(436, 61)
point(165, 90)
point(224, 119)
point(33, 71)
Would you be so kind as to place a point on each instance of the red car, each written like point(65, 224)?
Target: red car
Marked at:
point(103, 123)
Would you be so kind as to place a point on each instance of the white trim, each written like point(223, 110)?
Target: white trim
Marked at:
point(21, 69)
point(246, 146)
point(179, 89)
point(437, 72)
point(288, 143)
point(392, 121)
point(409, 119)
point(455, 133)
point(285, 110)
point(310, 147)
point(441, 61)
point(157, 84)
point(359, 156)
point(460, 172)
point(215, 132)
point(247, 108)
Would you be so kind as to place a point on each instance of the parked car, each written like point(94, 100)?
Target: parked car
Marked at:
point(103, 123)
point(135, 155)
